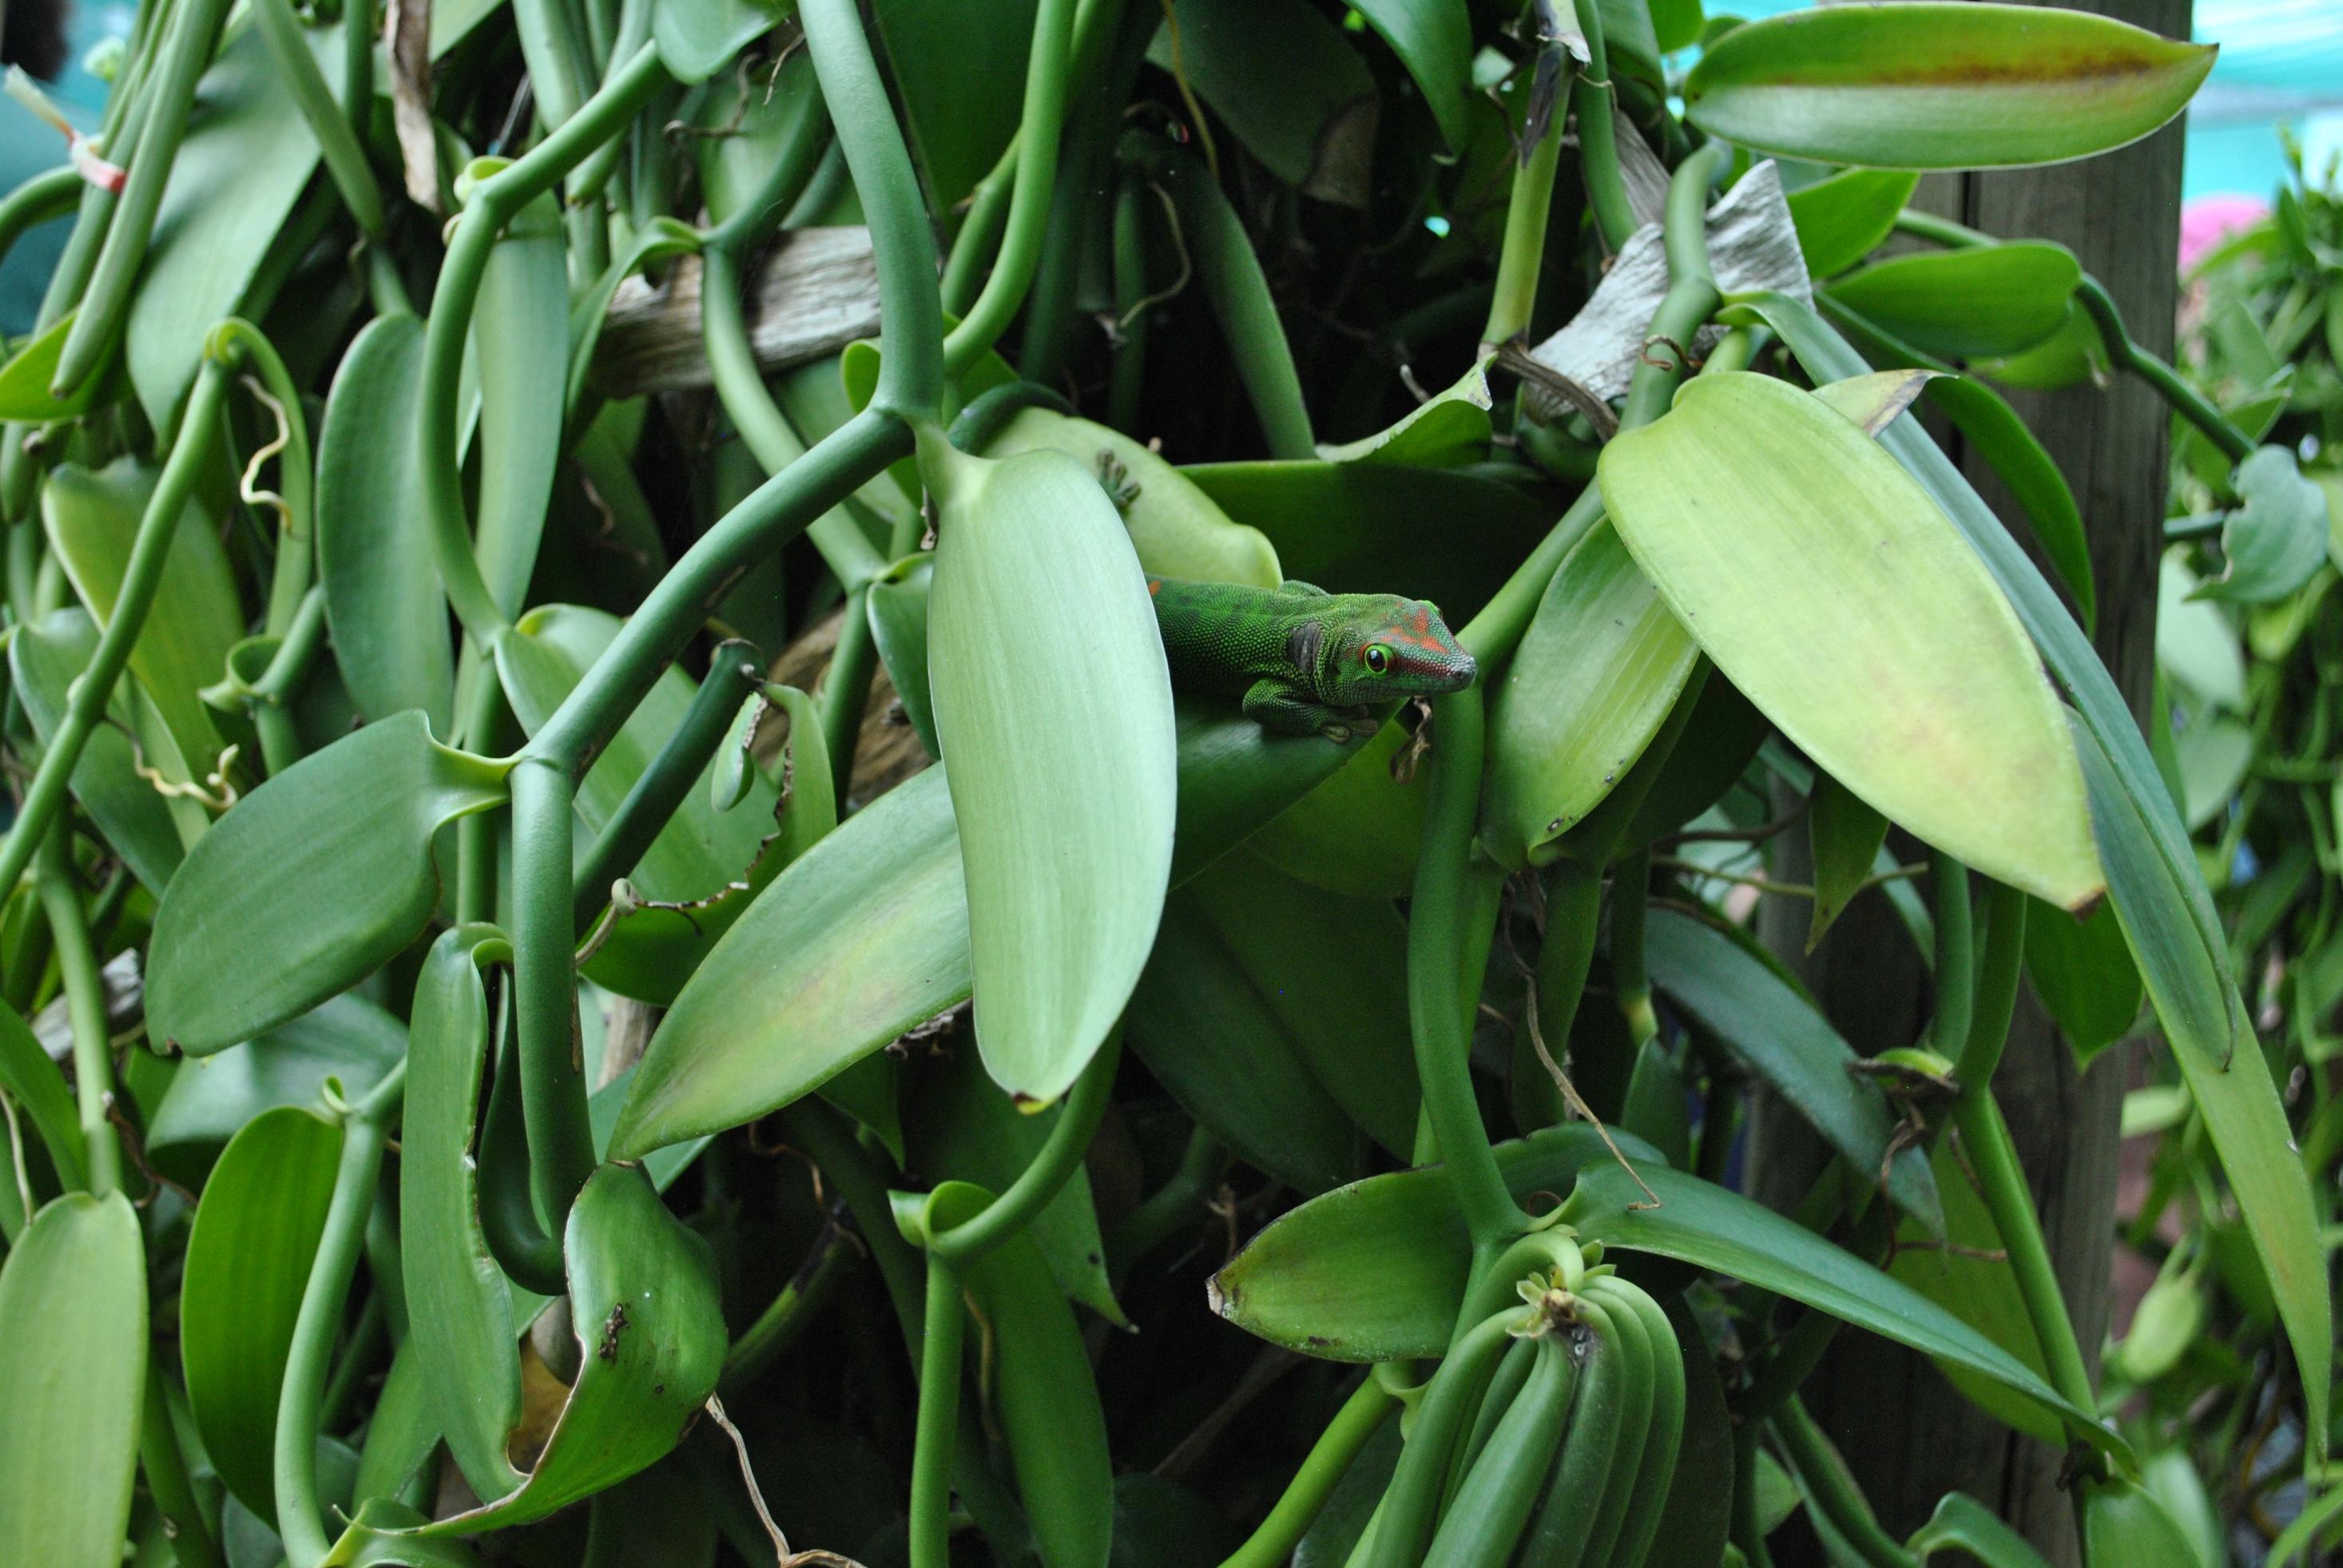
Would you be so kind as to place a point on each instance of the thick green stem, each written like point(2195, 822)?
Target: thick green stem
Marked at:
point(1748, 1532)
point(1573, 912)
point(1038, 1183)
point(84, 991)
point(732, 674)
point(1128, 366)
point(44, 198)
point(1956, 966)
point(2184, 399)
point(1440, 1010)
point(1524, 252)
point(911, 372)
point(358, 34)
point(142, 577)
point(1631, 981)
point(1833, 1490)
point(1492, 635)
point(97, 323)
point(1238, 291)
point(910, 383)
point(1595, 98)
point(551, 48)
point(978, 239)
point(1170, 1206)
point(787, 1316)
point(938, 1419)
point(740, 387)
point(587, 184)
point(1362, 1415)
point(192, 1546)
point(1985, 1138)
point(239, 341)
point(493, 204)
point(1996, 986)
point(553, 1079)
point(1029, 209)
point(300, 1519)
point(846, 690)
point(296, 70)
point(1110, 41)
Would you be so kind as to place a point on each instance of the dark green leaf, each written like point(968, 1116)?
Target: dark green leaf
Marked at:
point(1845, 834)
point(1287, 83)
point(1842, 219)
point(1655, 1110)
point(1963, 1523)
point(256, 1234)
point(1433, 39)
point(259, 926)
point(698, 38)
point(960, 70)
point(375, 557)
point(93, 519)
point(1750, 1010)
point(1353, 528)
point(1698, 1223)
point(2085, 976)
point(1356, 834)
point(347, 1038)
point(1205, 1030)
point(963, 1127)
point(45, 658)
point(1332, 970)
point(34, 1086)
point(1959, 304)
point(245, 158)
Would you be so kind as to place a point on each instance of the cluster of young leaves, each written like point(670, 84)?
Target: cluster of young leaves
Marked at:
point(421, 789)
point(2244, 675)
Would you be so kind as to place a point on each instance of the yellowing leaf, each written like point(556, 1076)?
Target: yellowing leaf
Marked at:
point(1831, 589)
point(1940, 86)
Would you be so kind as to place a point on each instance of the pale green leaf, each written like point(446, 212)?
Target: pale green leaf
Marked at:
point(73, 1360)
point(1053, 708)
point(1848, 609)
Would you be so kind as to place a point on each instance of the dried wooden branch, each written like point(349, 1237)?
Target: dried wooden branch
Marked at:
point(815, 291)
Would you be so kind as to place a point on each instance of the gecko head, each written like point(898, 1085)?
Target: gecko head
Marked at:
point(1397, 647)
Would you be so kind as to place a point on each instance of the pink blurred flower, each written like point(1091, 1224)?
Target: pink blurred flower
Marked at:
point(2204, 222)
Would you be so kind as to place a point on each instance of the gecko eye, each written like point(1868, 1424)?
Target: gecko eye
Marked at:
point(1378, 658)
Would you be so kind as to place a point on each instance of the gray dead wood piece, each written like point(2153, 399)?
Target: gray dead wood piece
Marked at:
point(1753, 244)
point(815, 291)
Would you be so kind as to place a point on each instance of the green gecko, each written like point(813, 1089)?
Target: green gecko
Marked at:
point(1304, 660)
